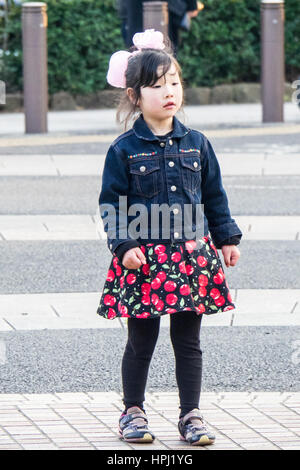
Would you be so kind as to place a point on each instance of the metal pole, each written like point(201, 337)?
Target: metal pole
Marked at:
point(156, 16)
point(34, 38)
point(272, 65)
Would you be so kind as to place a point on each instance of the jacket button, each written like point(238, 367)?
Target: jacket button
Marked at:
point(176, 234)
point(170, 142)
point(162, 144)
point(195, 164)
point(110, 246)
point(173, 188)
point(142, 168)
point(175, 210)
point(171, 163)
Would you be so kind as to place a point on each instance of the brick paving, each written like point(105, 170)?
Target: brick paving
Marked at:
point(254, 420)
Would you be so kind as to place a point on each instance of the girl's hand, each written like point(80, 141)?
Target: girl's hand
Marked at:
point(231, 254)
point(193, 14)
point(133, 258)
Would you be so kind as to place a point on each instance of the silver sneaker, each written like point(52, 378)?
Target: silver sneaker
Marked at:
point(193, 429)
point(133, 426)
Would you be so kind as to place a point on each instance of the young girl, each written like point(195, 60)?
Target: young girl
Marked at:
point(161, 269)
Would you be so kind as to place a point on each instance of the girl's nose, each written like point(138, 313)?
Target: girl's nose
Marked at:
point(169, 91)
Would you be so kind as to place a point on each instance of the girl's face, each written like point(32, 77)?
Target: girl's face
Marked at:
point(154, 98)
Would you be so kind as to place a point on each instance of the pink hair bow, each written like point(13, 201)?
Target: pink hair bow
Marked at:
point(119, 60)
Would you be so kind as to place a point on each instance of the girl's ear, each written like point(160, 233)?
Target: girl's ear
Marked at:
point(131, 95)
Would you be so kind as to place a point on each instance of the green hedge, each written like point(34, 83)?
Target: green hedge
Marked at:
point(223, 45)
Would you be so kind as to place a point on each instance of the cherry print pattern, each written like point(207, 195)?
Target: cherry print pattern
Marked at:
point(178, 276)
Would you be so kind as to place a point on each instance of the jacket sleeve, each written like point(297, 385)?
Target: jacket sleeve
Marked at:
point(191, 5)
point(125, 246)
point(113, 211)
point(220, 223)
point(235, 240)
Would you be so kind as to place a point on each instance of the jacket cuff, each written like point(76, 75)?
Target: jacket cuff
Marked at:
point(125, 246)
point(235, 240)
point(224, 232)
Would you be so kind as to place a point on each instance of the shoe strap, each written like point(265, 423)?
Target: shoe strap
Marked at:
point(195, 413)
point(139, 418)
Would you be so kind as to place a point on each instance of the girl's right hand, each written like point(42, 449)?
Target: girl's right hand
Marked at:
point(231, 254)
point(133, 258)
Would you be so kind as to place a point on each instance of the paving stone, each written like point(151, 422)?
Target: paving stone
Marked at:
point(283, 443)
point(254, 446)
point(10, 447)
point(39, 447)
point(41, 397)
point(226, 447)
point(10, 397)
point(14, 431)
point(6, 440)
point(71, 445)
point(296, 447)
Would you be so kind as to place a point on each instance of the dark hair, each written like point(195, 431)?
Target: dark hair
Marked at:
point(142, 72)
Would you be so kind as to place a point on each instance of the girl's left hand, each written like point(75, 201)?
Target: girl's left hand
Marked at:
point(193, 14)
point(231, 254)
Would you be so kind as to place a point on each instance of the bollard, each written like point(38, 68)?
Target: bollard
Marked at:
point(2, 92)
point(156, 16)
point(272, 55)
point(35, 75)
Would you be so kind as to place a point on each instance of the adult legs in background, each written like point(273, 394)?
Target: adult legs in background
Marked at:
point(124, 28)
point(142, 338)
point(134, 19)
point(173, 32)
point(185, 337)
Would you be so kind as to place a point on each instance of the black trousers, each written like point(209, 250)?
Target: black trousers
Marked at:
point(142, 338)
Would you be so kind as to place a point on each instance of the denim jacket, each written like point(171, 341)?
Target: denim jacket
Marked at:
point(183, 170)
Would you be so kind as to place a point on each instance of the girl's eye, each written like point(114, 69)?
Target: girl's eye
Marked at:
point(158, 86)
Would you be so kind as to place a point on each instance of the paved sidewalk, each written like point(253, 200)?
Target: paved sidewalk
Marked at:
point(90, 227)
point(281, 307)
point(104, 119)
point(241, 421)
point(255, 163)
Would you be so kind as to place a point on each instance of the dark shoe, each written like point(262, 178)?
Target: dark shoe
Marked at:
point(193, 429)
point(133, 426)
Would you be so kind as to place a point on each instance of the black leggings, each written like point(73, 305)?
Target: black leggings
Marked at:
point(142, 338)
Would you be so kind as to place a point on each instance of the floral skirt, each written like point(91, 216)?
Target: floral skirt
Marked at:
point(177, 276)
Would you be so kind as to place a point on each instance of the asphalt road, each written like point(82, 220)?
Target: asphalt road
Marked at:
point(81, 266)
point(247, 195)
point(234, 359)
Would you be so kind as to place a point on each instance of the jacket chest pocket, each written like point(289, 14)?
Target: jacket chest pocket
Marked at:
point(191, 172)
point(145, 178)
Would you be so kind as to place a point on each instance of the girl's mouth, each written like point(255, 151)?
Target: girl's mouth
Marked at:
point(169, 106)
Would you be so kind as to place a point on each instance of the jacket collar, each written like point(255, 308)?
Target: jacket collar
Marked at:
point(142, 130)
